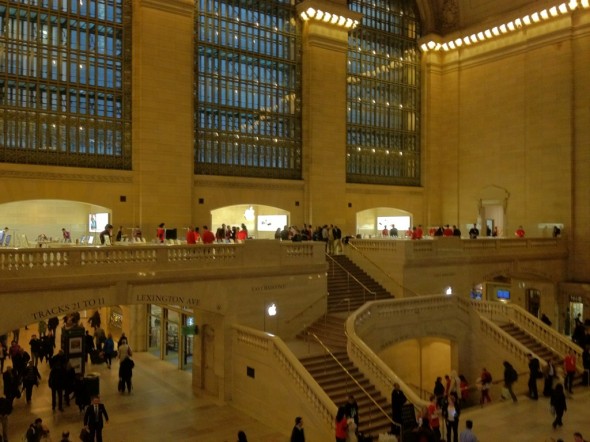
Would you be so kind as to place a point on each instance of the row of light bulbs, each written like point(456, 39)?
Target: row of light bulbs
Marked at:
point(326, 17)
point(505, 28)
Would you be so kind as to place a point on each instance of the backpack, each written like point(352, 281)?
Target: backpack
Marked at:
point(512, 375)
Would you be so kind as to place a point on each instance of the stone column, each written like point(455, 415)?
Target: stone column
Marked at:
point(325, 45)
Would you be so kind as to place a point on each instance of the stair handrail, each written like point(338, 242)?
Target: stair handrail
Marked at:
point(317, 397)
point(378, 267)
point(538, 329)
point(350, 275)
point(367, 394)
point(386, 376)
point(308, 307)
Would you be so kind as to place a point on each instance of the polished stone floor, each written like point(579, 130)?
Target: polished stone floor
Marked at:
point(162, 407)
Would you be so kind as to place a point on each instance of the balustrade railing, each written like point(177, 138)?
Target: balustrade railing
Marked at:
point(533, 326)
point(19, 261)
point(284, 361)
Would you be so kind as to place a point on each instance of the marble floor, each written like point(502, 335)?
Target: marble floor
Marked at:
point(162, 407)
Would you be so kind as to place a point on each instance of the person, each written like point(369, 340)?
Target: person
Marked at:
point(432, 414)
point(586, 365)
point(137, 233)
point(473, 232)
point(393, 232)
point(556, 232)
point(35, 345)
point(545, 319)
point(548, 375)
point(31, 378)
point(439, 390)
point(534, 370)
point(109, 350)
point(124, 351)
point(89, 344)
point(510, 377)
point(161, 233)
point(11, 384)
point(36, 431)
point(519, 232)
point(558, 405)
point(352, 409)
point(467, 434)
point(190, 235)
point(297, 434)
point(106, 233)
point(569, 366)
point(208, 236)
point(119, 236)
point(486, 383)
point(456, 231)
point(451, 411)
point(125, 374)
point(57, 380)
point(242, 436)
point(341, 425)
point(495, 232)
point(578, 437)
point(94, 419)
point(398, 399)
point(121, 339)
point(65, 436)
point(3, 354)
point(463, 388)
point(66, 235)
point(5, 410)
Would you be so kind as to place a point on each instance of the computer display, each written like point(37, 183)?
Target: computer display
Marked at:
point(503, 294)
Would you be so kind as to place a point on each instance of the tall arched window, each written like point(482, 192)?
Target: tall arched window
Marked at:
point(247, 89)
point(65, 74)
point(383, 109)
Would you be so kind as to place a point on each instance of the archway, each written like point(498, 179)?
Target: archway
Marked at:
point(29, 219)
point(260, 220)
point(371, 222)
point(419, 361)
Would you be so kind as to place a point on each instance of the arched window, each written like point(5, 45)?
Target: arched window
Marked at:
point(383, 108)
point(247, 89)
point(65, 73)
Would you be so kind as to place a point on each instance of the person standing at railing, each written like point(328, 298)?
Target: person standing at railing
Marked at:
point(297, 434)
point(341, 425)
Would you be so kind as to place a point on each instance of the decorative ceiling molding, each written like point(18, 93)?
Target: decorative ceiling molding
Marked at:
point(31, 175)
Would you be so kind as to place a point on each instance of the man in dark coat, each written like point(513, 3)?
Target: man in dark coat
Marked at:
point(398, 399)
point(94, 419)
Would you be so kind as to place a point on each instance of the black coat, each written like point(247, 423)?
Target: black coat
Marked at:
point(558, 401)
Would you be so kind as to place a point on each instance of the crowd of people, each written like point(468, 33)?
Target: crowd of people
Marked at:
point(22, 375)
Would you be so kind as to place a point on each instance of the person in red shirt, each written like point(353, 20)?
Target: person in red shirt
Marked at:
point(197, 235)
point(519, 232)
point(341, 425)
point(419, 232)
point(208, 236)
point(161, 233)
point(448, 231)
point(190, 236)
point(433, 417)
point(569, 365)
point(242, 234)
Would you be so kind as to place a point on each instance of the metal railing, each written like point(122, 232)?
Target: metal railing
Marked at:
point(405, 290)
point(380, 409)
point(350, 276)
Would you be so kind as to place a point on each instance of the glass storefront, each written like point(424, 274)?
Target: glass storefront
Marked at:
point(170, 334)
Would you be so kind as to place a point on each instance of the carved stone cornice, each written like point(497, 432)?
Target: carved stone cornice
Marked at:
point(64, 176)
point(248, 184)
point(179, 7)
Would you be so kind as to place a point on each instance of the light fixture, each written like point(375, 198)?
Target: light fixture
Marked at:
point(449, 291)
point(271, 310)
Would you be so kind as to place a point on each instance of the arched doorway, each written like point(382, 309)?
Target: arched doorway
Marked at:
point(260, 220)
point(371, 222)
point(45, 218)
